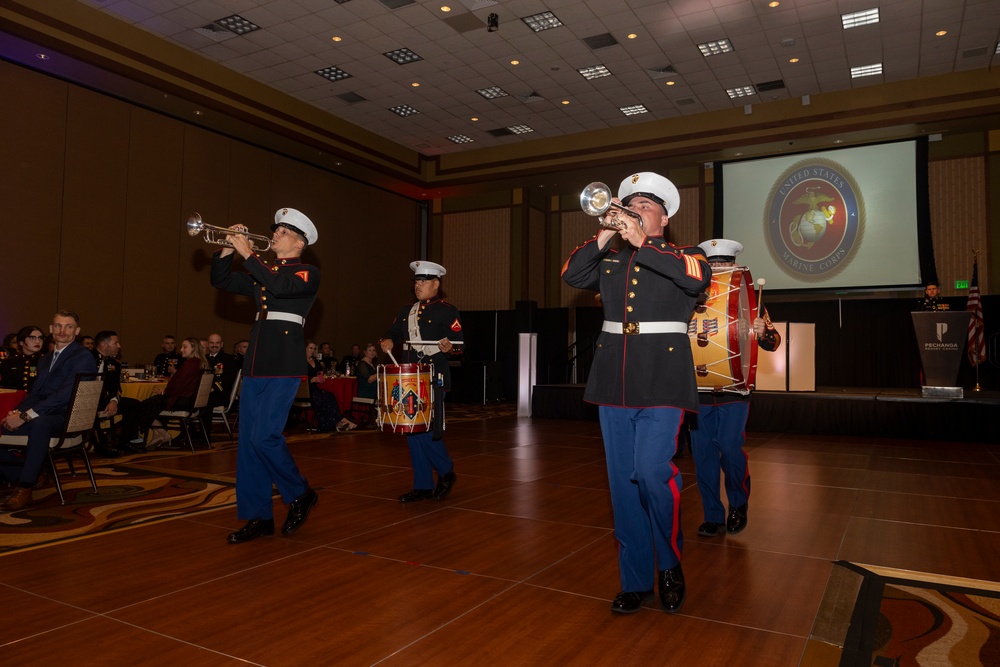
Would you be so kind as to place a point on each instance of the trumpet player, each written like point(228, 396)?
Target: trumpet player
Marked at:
point(643, 380)
point(273, 368)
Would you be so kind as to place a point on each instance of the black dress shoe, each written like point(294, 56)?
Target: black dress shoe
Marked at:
point(252, 530)
point(445, 482)
point(672, 589)
point(629, 602)
point(298, 511)
point(709, 529)
point(737, 520)
point(416, 494)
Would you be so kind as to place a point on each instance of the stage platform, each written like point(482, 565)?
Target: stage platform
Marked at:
point(894, 413)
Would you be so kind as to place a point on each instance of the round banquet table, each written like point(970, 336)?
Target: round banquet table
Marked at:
point(344, 390)
point(10, 399)
point(142, 389)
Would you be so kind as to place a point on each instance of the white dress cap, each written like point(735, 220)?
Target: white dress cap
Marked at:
point(654, 186)
point(721, 248)
point(289, 217)
point(426, 270)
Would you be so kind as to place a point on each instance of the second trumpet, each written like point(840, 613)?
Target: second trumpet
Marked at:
point(217, 235)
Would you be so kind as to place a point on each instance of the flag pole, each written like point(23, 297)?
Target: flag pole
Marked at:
point(975, 263)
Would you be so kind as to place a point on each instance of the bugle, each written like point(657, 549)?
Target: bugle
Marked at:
point(596, 200)
point(217, 235)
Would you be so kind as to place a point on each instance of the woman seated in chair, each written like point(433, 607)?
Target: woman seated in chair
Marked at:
point(19, 371)
point(179, 394)
point(367, 375)
point(324, 404)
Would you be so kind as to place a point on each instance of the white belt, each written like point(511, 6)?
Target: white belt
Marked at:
point(632, 328)
point(287, 317)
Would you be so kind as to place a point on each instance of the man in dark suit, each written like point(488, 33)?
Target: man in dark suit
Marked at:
point(42, 413)
point(225, 367)
point(106, 349)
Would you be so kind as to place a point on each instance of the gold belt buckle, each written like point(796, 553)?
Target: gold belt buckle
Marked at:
point(630, 328)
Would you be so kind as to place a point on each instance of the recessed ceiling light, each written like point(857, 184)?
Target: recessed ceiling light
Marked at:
point(520, 129)
point(565, 101)
point(474, 119)
point(42, 56)
point(492, 92)
point(333, 73)
point(515, 62)
point(632, 35)
point(856, 19)
point(198, 112)
point(941, 33)
point(446, 8)
point(402, 56)
point(715, 48)
point(633, 110)
point(774, 4)
point(671, 83)
point(866, 70)
point(838, 141)
point(415, 84)
point(740, 91)
point(404, 110)
point(793, 60)
point(336, 38)
point(594, 72)
point(543, 21)
point(460, 139)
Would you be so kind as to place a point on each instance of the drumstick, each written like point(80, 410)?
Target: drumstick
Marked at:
point(760, 290)
point(394, 362)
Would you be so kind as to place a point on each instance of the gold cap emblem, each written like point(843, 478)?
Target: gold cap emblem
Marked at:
point(635, 178)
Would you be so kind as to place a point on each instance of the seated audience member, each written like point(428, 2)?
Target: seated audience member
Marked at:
point(179, 394)
point(350, 362)
point(166, 362)
point(9, 347)
point(106, 349)
point(19, 370)
point(367, 375)
point(225, 367)
point(324, 404)
point(327, 358)
point(240, 351)
point(87, 342)
point(41, 415)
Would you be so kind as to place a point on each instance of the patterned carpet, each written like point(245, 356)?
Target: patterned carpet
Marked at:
point(893, 618)
point(132, 492)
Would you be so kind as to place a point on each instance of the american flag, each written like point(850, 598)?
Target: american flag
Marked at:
point(977, 331)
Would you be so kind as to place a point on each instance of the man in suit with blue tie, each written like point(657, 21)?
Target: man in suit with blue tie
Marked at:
point(42, 413)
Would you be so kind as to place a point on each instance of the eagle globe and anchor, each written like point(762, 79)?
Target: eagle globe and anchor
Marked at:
point(806, 229)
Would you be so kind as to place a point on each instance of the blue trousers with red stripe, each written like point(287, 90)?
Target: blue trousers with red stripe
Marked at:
point(262, 458)
point(639, 444)
point(717, 442)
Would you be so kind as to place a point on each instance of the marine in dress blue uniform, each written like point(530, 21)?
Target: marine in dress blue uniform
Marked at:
point(437, 322)
point(643, 380)
point(720, 430)
point(273, 368)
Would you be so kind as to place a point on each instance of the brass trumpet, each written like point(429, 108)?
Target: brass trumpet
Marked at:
point(217, 235)
point(596, 200)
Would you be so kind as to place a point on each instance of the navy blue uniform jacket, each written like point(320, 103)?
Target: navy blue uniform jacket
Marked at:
point(658, 282)
point(277, 347)
point(437, 319)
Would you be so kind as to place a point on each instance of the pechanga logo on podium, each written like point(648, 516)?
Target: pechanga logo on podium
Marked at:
point(814, 219)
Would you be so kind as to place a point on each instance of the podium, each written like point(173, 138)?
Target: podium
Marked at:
point(941, 341)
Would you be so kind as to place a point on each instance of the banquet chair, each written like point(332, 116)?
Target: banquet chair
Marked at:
point(362, 410)
point(302, 405)
point(75, 435)
point(184, 418)
point(220, 413)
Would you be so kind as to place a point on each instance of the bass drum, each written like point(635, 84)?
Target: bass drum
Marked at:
point(721, 331)
point(405, 398)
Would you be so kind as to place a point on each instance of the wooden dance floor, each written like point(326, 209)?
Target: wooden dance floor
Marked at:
point(516, 567)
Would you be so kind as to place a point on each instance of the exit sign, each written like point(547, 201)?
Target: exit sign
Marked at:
point(961, 284)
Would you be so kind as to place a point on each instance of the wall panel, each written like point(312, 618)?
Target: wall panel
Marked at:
point(32, 150)
point(93, 218)
point(959, 221)
point(477, 256)
point(537, 267)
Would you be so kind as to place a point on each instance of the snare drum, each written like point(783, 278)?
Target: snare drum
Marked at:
point(405, 398)
point(721, 331)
